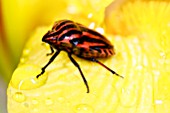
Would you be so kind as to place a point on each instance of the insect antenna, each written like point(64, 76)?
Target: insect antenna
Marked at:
point(95, 60)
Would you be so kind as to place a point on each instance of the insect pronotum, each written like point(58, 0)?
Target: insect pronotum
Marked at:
point(76, 39)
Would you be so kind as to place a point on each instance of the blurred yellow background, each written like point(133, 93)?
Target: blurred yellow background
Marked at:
point(139, 30)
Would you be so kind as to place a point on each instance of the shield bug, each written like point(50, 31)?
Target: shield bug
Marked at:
point(76, 39)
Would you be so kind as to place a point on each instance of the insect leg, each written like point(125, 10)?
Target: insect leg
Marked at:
point(49, 62)
point(95, 60)
point(52, 51)
point(77, 65)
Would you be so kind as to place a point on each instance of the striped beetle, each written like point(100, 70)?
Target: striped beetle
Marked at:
point(76, 39)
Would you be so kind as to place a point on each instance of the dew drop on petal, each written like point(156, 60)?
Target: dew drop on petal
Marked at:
point(24, 55)
point(83, 108)
point(158, 101)
point(100, 30)
point(19, 97)
point(26, 52)
point(139, 67)
point(91, 26)
point(24, 77)
point(90, 15)
point(22, 60)
point(72, 9)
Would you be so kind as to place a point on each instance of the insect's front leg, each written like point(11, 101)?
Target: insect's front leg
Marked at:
point(49, 62)
point(82, 75)
point(95, 60)
point(52, 51)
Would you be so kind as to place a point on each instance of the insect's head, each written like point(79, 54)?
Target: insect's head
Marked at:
point(50, 38)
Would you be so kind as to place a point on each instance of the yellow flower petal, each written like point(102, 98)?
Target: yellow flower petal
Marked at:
point(148, 20)
point(24, 78)
point(64, 89)
point(143, 60)
point(138, 18)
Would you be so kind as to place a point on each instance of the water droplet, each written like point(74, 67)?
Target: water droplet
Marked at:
point(139, 67)
point(91, 26)
point(49, 101)
point(22, 60)
point(72, 9)
point(83, 108)
point(19, 97)
point(158, 101)
point(26, 52)
point(100, 30)
point(24, 77)
point(90, 15)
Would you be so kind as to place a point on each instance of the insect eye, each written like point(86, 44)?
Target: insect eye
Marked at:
point(46, 36)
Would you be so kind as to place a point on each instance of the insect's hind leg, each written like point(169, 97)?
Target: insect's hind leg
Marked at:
point(95, 60)
point(82, 75)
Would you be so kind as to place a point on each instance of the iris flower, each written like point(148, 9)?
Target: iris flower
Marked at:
point(139, 31)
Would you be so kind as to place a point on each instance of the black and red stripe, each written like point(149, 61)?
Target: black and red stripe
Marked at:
point(87, 42)
point(95, 42)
